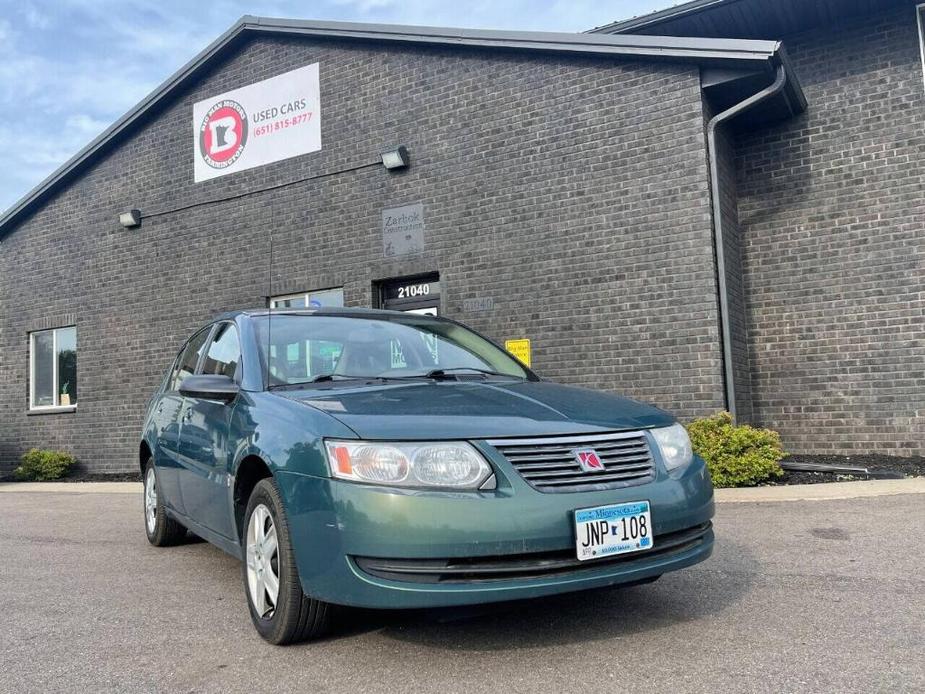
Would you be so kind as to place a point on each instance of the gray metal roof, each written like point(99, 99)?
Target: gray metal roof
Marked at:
point(757, 55)
point(747, 19)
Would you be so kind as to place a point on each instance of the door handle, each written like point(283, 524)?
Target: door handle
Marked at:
point(160, 407)
point(187, 415)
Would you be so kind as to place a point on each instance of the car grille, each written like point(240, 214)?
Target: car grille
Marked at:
point(550, 464)
point(526, 566)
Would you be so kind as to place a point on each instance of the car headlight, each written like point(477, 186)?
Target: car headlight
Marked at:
point(675, 445)
point(448, 465)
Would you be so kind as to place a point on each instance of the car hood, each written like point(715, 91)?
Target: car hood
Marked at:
point(476, 409)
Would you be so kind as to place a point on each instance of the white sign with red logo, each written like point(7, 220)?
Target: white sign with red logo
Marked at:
point(258, 124)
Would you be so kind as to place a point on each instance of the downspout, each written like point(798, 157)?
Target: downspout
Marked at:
point(718, 247)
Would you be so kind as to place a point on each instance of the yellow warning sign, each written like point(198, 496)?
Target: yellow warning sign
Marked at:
point(520, 349)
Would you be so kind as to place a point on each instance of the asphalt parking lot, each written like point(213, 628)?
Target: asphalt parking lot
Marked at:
point(822, 596)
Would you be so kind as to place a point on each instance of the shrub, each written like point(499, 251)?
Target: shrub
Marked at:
point(737, 455)
point(44, 465)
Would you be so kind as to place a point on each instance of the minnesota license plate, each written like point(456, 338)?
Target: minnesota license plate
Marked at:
point(604, 531)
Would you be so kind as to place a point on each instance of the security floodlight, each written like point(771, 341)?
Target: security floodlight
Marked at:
point(395, 158)
point(130, 219)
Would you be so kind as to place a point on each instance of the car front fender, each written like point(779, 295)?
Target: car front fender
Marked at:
point(286, 435)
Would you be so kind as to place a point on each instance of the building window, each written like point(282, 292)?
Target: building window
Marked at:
point(53, 368)
point(317, 299)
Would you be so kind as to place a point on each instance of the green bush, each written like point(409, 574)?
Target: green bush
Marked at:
point(737, 455)
point(44, 465)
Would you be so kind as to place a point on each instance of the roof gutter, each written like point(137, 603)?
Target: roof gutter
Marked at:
point(768, 92)
point(650, 47)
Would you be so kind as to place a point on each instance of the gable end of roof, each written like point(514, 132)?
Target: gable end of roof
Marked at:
point(759, 55)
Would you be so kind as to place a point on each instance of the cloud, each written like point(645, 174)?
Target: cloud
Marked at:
point(34, 18)
point(365, 6)
point(85, 126)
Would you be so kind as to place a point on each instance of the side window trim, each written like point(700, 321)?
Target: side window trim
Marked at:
point(178, 361)
point(167, 385)
point(175, 369)
point(238, 369)
point(205, 349)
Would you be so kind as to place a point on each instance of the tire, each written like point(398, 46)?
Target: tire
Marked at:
point(293, 616)
point(161, 529)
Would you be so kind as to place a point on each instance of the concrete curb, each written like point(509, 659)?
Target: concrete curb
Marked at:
point(796, 492)
point(821, 492)
point(72, 487)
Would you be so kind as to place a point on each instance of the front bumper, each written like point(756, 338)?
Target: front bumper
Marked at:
point(455, 548)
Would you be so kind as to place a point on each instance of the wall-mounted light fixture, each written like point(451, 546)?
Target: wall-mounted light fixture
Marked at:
point(130, 219)
point(395, 158)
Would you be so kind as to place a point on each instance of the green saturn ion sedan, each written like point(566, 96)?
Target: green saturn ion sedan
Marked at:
point(391, 460)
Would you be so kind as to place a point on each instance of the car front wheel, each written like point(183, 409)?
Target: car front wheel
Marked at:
point(281, 612)
point(161, 529)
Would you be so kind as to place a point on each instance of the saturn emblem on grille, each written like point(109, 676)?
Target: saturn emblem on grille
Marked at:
point(589, 460)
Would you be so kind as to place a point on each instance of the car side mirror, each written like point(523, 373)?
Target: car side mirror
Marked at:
point(210, 387)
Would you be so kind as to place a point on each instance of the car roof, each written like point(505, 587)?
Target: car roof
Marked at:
point(345, 311)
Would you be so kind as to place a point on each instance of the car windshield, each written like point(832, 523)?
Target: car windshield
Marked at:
point(317, 348)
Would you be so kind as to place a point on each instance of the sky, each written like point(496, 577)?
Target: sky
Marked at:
point(70, 68)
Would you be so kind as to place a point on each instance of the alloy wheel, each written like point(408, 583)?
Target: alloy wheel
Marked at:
point(262, 561)
point(150, 500)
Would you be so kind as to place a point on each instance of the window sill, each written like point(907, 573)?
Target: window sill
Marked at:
point(51, 410)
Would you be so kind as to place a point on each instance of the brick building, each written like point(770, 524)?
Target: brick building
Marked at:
point(829, 211)
point(668, 217)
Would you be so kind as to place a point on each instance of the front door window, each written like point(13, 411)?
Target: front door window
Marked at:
point(224, 352)
point(186, 364)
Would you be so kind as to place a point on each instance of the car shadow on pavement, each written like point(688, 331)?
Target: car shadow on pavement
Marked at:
point(579, 617)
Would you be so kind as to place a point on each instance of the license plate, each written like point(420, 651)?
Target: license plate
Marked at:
point(604, 531)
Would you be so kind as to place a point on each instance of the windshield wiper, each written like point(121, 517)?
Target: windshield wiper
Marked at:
point(443, 374)
point(322, 378)
point(449, 372)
